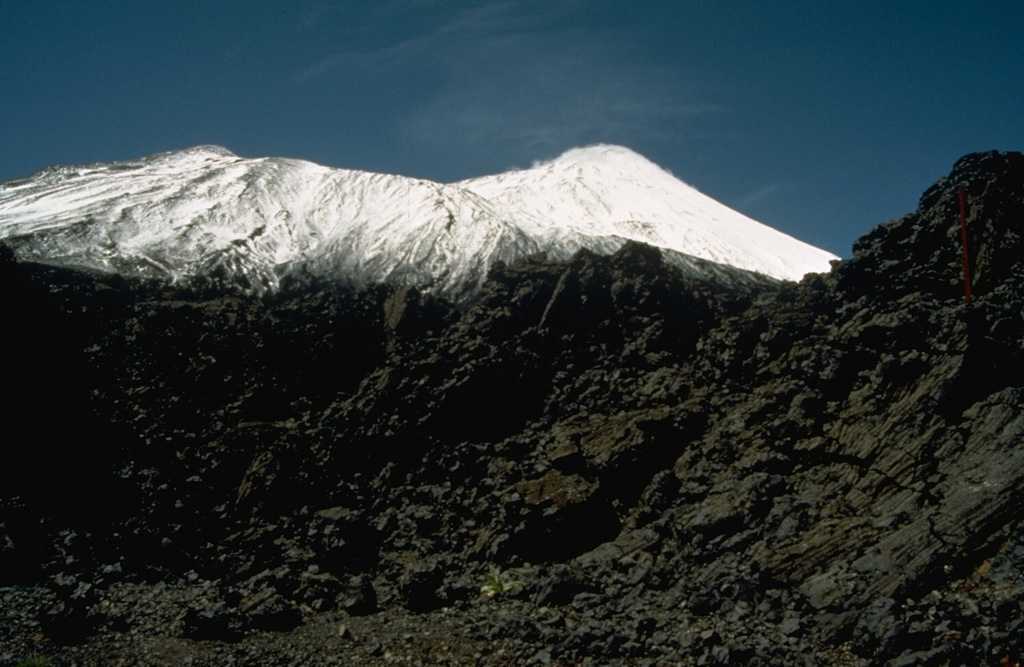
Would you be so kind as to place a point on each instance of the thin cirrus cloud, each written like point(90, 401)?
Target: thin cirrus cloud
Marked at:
point(761, 194)
point(522, 87)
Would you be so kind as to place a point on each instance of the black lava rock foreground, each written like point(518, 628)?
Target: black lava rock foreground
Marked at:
point(827, 472)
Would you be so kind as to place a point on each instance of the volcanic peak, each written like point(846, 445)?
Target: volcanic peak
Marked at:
point(204, 213)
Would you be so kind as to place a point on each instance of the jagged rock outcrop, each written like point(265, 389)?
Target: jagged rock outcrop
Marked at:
point(828, 471)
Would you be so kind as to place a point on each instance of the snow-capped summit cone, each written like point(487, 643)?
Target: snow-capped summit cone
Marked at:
point(207, 213)
point(611, 191)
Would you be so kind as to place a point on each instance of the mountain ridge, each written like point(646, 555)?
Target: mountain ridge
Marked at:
point(205, 212)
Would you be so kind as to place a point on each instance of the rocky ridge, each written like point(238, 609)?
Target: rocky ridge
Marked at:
point(818, 472)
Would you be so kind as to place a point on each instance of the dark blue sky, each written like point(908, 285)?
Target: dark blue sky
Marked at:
point(821, 119)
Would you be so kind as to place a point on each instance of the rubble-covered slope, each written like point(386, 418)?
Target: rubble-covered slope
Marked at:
point(827, 472)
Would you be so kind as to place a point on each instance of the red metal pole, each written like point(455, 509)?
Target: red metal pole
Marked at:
point(963, 242)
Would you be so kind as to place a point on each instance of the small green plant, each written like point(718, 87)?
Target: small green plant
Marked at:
point(34, 660)
point(496, 584)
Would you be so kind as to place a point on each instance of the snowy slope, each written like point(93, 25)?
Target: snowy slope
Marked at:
point(205, 212)
point(610, 191)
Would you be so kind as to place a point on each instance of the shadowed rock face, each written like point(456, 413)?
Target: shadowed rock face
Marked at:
point(823, 471)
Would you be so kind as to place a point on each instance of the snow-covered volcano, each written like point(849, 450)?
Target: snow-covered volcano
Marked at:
point(206, 213)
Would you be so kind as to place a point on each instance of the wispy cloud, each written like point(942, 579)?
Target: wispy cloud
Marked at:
point(315, 12)
point(761, 194)
point(400, 6)
point(525, 84)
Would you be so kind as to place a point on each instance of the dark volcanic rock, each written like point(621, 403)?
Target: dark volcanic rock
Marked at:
point(827, 472)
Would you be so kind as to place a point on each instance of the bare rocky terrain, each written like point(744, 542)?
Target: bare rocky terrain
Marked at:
point(824, 472)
